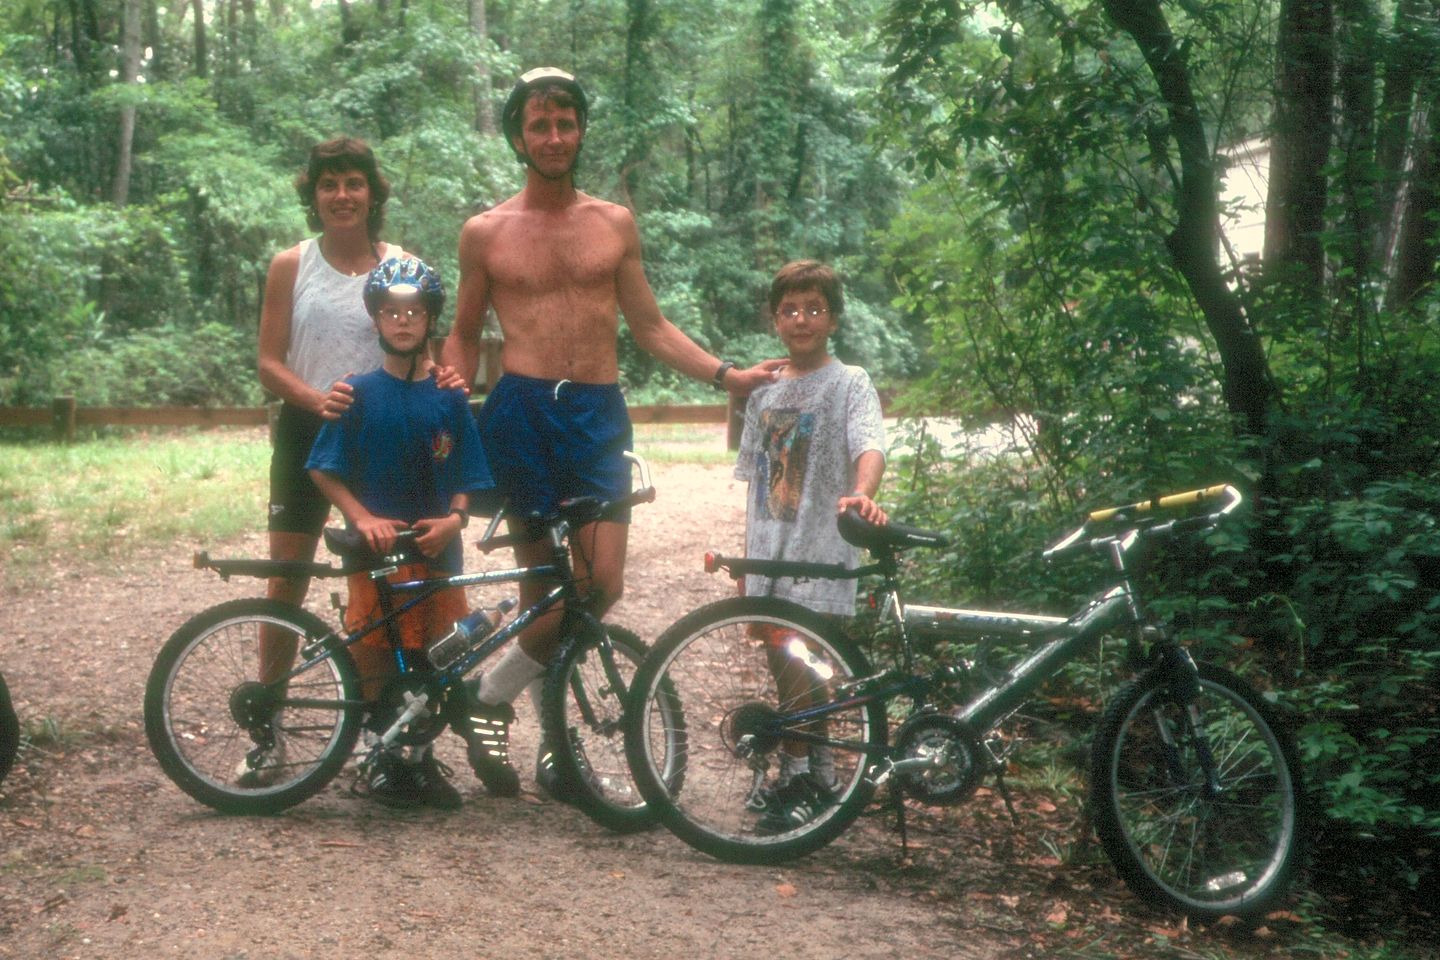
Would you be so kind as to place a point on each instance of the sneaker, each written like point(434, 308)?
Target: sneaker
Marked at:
point(390, 782)
point(263, 766)
point(432, 784)
point(794, 804)
point(487, 735)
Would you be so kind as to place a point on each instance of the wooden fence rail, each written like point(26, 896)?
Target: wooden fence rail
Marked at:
point(64, 416)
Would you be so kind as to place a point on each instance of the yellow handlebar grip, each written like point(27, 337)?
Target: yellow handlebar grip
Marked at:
point(1160, 503)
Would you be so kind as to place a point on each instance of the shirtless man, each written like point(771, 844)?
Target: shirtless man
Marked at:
point(559, 267)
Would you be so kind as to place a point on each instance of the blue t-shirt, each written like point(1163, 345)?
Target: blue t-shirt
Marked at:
point(404, 449)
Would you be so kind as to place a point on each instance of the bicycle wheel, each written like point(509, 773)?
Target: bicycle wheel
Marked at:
point(739, 666)
point(1206, 845)
point(9, 731)
point(584, 705)
point(233, 743)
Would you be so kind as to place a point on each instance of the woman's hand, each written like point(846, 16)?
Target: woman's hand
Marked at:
point(337, 401)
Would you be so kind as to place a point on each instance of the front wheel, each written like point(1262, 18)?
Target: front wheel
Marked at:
point(1198, 804)
point(238, 745)
point(765, 685)
point(584, 706)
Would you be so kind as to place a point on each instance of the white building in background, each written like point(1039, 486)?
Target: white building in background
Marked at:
point(1242, 199)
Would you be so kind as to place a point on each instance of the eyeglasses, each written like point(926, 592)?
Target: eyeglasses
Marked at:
point(409, 313)
point(814, 313)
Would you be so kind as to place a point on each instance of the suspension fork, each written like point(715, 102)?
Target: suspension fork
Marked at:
point(1182, 679)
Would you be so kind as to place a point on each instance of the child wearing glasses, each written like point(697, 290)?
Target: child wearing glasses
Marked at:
point(404, 455)
point(813, 447)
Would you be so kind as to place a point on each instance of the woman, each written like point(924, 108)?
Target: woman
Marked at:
point(314, 329)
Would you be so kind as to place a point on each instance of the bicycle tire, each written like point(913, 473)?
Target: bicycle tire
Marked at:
point(194, 694)
point(9, 731)
point(1174, 841)
point(584, 708)
point(715, 662)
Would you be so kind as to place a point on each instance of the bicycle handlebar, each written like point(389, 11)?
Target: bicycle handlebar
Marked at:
point(1167, 502)
point(580, 510)
point(1077, 537)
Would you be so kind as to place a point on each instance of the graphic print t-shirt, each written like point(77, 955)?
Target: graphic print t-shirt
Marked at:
point(801, 440)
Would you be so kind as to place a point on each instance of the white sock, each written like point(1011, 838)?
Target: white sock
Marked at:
point(511, 675)
point(792, 767)
point(536, 689)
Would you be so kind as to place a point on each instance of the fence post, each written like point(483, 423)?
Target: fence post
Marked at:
point(62, 418)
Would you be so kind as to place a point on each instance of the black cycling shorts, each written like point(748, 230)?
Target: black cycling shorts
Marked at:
point(296, 504)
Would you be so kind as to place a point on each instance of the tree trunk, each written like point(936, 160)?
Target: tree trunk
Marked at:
point(153, 38)
point(129, 72)
point(1300, 147)
point(1415, 248)
point(1358, 36)
point(484, 86)
point(1193, 244)
point(638, 94)
point(202, 56)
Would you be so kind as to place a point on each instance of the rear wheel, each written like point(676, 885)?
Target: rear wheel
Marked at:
point(743, 668)
point(1198, 805)
point(234, 743)
point(584, 705)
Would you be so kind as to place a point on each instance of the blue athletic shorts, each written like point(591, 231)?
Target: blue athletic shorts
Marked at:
point(548, 441)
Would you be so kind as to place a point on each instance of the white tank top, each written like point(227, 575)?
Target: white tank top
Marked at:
point(331, 335)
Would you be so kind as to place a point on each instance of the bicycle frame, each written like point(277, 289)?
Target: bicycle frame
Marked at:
point(1061, 639)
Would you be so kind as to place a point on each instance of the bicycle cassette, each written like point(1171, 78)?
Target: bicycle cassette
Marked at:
point(953, 768)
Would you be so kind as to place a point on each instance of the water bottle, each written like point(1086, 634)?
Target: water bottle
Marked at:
point(466, 634)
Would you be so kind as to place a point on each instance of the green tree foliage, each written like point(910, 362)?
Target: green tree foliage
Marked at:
point(1052, 252)
point(738, 134)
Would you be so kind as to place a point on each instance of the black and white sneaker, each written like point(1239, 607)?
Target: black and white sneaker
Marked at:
point(432, 784)
point(487, 735)
point(795, 803)
point(389, 782)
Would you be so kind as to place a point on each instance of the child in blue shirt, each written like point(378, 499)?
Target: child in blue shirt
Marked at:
point(404, 455)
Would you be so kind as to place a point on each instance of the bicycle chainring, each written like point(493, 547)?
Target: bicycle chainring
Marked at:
point(425, 727)
point(947, 742)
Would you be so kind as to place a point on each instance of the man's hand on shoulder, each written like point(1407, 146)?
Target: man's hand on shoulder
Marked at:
point(448, 378)
point(743, 382)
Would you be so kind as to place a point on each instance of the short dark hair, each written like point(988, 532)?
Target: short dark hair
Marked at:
point(342, 155)
point(808, 275)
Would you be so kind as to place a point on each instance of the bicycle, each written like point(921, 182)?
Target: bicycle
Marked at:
point(207, 714)
point(1194, 784)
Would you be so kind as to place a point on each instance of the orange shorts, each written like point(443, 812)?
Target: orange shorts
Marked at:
point(423, 623)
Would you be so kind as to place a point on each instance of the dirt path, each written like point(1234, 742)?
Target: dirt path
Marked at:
point(104, 857)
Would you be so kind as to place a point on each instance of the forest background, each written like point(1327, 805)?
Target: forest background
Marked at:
point(1023, 198)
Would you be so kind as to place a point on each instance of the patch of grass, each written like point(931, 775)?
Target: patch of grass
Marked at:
point(96, 497)
point(702, 443)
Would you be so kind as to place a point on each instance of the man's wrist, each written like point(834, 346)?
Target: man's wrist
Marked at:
point(718, 380)
point(464, 516)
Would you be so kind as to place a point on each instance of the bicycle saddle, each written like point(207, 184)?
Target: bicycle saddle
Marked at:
point(355, 553)
point(862, 533)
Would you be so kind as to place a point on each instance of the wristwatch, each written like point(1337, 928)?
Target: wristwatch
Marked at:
point(719, 379)
point(464, 517)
